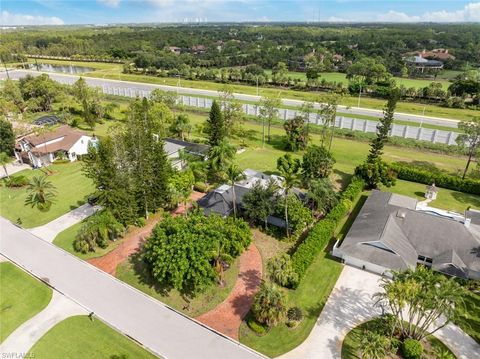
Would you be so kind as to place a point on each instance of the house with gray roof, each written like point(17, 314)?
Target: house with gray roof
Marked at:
point(392, 233)
point(220, 200)
point(173, 148)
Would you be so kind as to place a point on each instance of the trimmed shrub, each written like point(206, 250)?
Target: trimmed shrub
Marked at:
point(257, 328)
point(323, 231)
point(200, 187)
point(294, 316)
point(413, 174)
point(16, 181)
point(281, 271)
point(412, 349)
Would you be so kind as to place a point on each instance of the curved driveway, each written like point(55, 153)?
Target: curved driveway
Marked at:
point(156, 326)
point(351, 304)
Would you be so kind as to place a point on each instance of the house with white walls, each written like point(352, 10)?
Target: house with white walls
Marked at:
point(63, 142)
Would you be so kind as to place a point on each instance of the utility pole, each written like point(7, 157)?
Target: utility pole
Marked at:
point(359, 95)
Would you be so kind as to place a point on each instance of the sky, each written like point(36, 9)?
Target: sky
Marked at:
point(60, 12)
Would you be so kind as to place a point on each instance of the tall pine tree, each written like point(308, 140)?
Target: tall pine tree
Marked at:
point(384, 126)
point(215, 126)
point(374, 170)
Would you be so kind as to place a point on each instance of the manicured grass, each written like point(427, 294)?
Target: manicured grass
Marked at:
point(469, 318)
point(79, 337)
point(351, 343)
point(446, 199)
point(65, 240)
point(21, 297)
point(366, 102)
point(72, 189)
point(349, 154)
point(134, 272)
point(311, 296)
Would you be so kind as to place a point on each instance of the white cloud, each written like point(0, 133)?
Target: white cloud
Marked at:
point(469, 13)
point(9, 19)
point(109, 3)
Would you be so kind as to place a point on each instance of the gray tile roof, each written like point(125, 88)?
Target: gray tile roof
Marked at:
point(383, 227)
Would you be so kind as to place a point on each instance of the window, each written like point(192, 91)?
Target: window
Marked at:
point(425, 260)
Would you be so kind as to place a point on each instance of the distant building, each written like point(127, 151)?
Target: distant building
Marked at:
point(63, 142)
point(423, 65)
point(176, 50)
point(173, 147)
point(390, 233)
point(437, 54)
point(198, 49)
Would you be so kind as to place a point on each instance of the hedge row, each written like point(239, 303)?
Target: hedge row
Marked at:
point(410, 173)
point(323, 231)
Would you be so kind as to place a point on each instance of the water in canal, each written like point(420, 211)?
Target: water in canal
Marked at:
point(66, 69)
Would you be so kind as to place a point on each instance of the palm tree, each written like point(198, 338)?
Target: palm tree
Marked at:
point(269, 304)
point(41, 193)
point(289, 167)
point(4, 161)
point(221, 259)
point(219, 156)
point(373, 345)
point(234, 174)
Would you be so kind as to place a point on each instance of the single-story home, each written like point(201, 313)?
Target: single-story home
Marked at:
point(62, 142)
point(220, 200)
point(392, 233)
point(173, 147)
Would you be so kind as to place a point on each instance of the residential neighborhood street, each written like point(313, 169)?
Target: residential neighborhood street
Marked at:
point(156, 326)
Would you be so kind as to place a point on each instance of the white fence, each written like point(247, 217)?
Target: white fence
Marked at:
point(354, 124)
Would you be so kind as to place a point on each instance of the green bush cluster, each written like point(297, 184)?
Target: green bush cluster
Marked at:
point(16, 181)
point(257, 328)
point(412, 349)
point(322, 232)
point(413, 174)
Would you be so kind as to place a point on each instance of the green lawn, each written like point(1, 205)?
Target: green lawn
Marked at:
point(134, 272)
point(446, 199)
point(65, 240)
point(311, 295)
point(21, 297)
point(351, 343)
point(79, 337)
point(469, 319)
point(72, 186)
point(373, 103)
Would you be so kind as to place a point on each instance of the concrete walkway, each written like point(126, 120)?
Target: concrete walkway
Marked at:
point(228, 315)
point(49, 231)
point(351, 304)
point(13, 168)
point(148, 321)
point(26, 335)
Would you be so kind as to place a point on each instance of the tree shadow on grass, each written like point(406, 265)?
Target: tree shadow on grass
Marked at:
point(143, 275)
point(468, 199)
point(344, 178)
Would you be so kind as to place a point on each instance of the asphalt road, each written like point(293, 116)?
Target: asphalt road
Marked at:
point(146, 320)
point(137, 86)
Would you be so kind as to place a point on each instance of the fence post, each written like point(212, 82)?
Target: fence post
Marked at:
point(419, 133)
point(257, 110)
point(365, 124)
point(434, 136)
point(405, 132)
point(340, 122)
point(196, 102)
point(354, 121)
point(285, 112)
